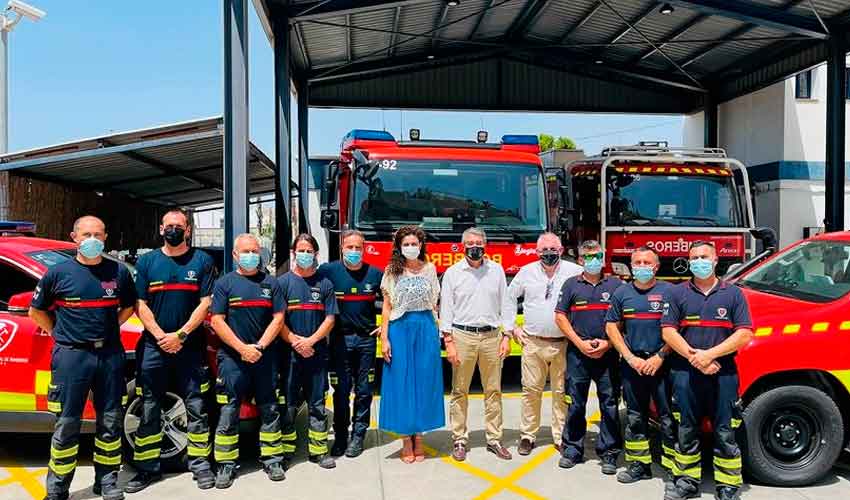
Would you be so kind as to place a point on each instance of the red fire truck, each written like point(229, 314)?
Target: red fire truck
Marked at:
point(380, 184)
point(662, 197)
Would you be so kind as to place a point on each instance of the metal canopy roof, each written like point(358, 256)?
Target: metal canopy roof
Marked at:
point(179, 164)
point(551, 55)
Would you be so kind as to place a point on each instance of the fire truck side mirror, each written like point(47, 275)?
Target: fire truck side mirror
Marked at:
point(329, 219)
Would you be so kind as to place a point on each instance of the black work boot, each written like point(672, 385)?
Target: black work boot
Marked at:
point(355, 447)
point(141, 481)
point(681, 491)
point(205, 478)
point(275, 472)
point(568, 462)
point(338, 448)
point(726, 493)
point(609, 464)
point(57, 496)
point(225, 476)
point(325, 461)
point(634, 473)
point(108, 487)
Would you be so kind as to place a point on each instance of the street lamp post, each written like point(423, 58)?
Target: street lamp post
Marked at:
point(15, 11)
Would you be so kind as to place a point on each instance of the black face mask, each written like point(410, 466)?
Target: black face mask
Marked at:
point(475, 253)
point(550, 258)
point(174, 236)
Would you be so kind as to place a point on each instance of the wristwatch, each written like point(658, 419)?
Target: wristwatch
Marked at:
point(181, 335)
point(258, 346)
point(662, 353)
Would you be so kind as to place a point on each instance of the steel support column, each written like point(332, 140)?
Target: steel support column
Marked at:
point(710, 122)
point(283, 142)
point(235, 124)
point(303, 155)
point(835, 102)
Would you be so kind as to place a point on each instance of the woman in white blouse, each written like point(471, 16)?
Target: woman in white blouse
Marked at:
point(412, 380)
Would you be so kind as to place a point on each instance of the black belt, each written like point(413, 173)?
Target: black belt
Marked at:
point(474, 329)
point(88, 346)
point(643, 354)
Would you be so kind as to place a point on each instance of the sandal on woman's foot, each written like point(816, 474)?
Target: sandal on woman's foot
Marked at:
point(407, 450)
point(418, 448)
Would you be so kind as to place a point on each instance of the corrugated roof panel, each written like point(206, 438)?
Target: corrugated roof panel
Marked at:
point(605, 24)
point(325, 44)
point(825, 8)
point(558, 17)
point(469, 13)
point(498, 19)
point(371, 43)
point(417, 19)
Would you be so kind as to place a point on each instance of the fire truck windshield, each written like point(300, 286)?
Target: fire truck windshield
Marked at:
point(672, 200)
point(451, 195)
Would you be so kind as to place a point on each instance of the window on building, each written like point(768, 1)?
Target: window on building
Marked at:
point(804, 85)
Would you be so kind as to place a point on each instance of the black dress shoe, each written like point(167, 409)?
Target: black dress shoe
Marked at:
point(141, 481)
point(338, 448)
point(355, 447)
point(568, 462)
point(499, 450)
point(525, 446)
point(205, 478)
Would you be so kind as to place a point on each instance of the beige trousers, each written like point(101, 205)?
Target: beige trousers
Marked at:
point(483, 351)
point(542, 359)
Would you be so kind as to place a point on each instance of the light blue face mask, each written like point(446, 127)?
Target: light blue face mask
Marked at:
point(593, 266)
point(91, 248)
point(352, 257)
point(702, 268)
point(249, 261)
point(643, 274)
point(304, 260)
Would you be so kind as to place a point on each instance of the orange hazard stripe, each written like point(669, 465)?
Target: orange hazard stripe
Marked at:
point(306, 307)
point(85, 304)
point(590, 307)
point(174, 287)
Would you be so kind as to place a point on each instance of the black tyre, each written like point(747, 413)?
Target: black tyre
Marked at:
point(793, 435)
point(175, 439)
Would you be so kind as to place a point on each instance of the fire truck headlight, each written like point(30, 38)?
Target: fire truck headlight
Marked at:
point(620, 269)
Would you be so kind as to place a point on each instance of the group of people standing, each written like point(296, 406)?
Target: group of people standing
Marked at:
point(285, 339)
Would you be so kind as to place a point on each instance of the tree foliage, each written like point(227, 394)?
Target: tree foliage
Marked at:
point(548, 142)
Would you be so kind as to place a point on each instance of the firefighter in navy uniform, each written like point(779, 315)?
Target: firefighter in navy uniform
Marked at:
point(310, 310)
point(706, 321)
point(174, 285)
point(353, 344)
point(91, 297)
point(247, 313)
point(634, 328)
point(580, 314)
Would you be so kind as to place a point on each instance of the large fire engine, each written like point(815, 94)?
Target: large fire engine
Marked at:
point(380, 184)
point(658, 196)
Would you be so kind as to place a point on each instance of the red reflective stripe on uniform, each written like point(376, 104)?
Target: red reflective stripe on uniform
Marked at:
point(355, 298)
point(306, 307)
point(590, 307)
point(251, 303)
point(707, 323)
point(174, 286)
point(642, 315)
point(88, 303)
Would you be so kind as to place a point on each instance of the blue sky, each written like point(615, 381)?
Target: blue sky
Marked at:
point(91, 68)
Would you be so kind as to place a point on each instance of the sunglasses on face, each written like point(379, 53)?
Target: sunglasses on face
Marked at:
point(589, 256)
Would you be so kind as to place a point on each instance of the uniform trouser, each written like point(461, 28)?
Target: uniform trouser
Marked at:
point(352, 366)
point(305, 379)
point(480, 350)
point(542, 359)
point(638, 390)
point(695, 396)
point(236, 381)
point(604, 372)
point(184, 373)
point(74, 372)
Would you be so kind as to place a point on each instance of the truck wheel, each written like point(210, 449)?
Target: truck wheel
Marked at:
point(793, 435)
point(175, 440)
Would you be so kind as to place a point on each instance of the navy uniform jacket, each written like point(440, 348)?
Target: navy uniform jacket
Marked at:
point(86, 300)
point(707, 320)
point(248, 302)
point(174, 286)
point(356, 293)
point(640, 311)
point(308, 302)
point(586, 304)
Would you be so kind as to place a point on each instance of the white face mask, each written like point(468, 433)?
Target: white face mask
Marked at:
point(410, 252)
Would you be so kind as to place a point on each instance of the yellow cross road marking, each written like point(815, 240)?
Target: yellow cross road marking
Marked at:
point(29, 480)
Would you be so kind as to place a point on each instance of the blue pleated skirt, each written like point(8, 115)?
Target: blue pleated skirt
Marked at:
point(412, 383)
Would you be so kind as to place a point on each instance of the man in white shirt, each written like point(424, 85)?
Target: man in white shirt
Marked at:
point(543, 343)
point(471, 303)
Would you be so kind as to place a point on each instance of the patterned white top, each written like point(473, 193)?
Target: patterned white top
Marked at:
point(412, 291)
